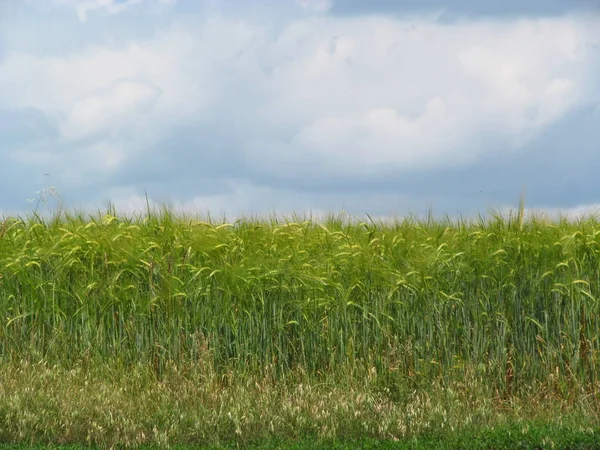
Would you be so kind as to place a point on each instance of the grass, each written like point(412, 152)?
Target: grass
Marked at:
point(163, 329)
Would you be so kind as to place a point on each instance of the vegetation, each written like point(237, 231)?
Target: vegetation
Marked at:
point(164, 329)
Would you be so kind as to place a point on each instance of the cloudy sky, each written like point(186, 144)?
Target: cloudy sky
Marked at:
point(380, 107)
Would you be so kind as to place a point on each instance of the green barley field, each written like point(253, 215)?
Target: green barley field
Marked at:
point(165, 330)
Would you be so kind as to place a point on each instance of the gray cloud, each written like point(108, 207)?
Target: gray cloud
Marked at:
point(230, 109)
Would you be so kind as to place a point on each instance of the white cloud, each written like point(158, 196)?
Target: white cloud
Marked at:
point(108, 107)
point(380, 91)
point(323, 96)
point(84, 7)
point(315, 5)
point(382, 135)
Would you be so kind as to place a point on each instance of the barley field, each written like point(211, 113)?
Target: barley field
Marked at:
point(270, 327)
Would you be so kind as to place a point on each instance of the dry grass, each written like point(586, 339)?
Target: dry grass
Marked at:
point(112, 407)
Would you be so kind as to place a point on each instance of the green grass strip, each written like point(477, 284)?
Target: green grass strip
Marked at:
point(514, 437)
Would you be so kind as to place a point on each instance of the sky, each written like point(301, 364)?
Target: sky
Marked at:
point(235, 108)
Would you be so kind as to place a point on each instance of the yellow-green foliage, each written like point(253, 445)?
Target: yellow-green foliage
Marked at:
point(510, 301)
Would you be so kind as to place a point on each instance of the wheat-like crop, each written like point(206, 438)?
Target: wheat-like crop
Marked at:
point(513, 302)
